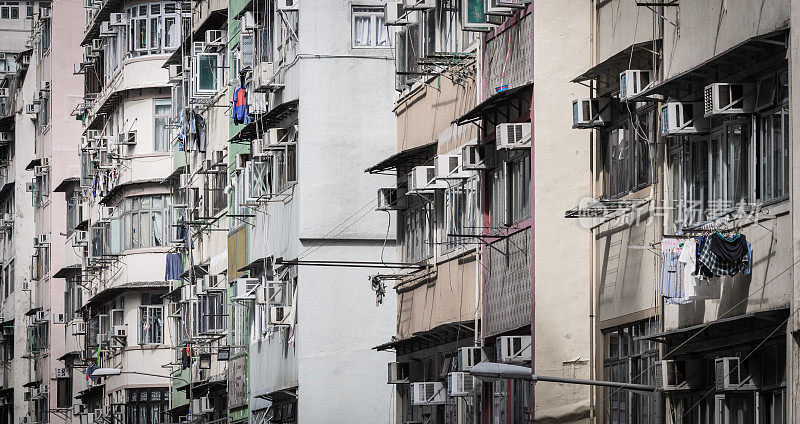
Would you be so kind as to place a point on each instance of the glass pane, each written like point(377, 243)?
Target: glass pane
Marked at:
point(158, 228)
point(361, 31)
point(207, 72)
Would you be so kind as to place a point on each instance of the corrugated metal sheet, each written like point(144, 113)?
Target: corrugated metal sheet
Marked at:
point(508, 284)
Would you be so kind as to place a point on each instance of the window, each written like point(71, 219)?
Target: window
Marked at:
point(153, 28)
point(151, 326)
point(147, 406)
point(460, 212)
point(509, 189)
point(417, 230)
point(207, 73)
point(161, 116)
point(73, 298)
point(9, 10)
point(369, 28)
point(73, 212)
point(773, 154)
point(28, 10)
point(627, 155)
point(628, 360)
point(142, 222)
point(212, 314)
point(219, 200)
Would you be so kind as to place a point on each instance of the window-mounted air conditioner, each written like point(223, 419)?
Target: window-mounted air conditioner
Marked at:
point(633, 82)
point(262, 296)
point(389, 198)
point(674, 375)
point(398, 372)
point(41, 316)
point(175, 73)
point(590, 113)
point(448, 167)
point(422, 179)
point(513, 136)
point(468, 357)
point(476, 157)
point(210, 281)
point(5, 92)
point(288, 5)
point(241, 160)
point(26, 285)
point(188, 292)
point(106, 30)
point(127, 138)
point(496, 7)
point(44, 13)
point(514, 349)
point(92, 135)
point(683, 118)
point(118, 19)
point(79, 238)
point(78, 328)
point(78, 68)
point(120, 331)
point(460, 384)
point(43, 239)
point(32, 109)
point(215, 38)
point(393, 12)
point(516, 4)
point(419, 4)
point(263, 73)
point(728, 99)
point(278, 315)
point(731, 373)
point(59, 318)
point(276, 137)
point(428, 393)
point(61, 373)
point(198, 47)
point(206, 405)
point(6, 136)
point(97, 44)
point(258, 148)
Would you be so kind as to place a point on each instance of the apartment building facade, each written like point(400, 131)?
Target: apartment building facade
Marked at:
point(692, 144)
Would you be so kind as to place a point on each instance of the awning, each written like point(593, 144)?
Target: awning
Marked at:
point(83, 225)
point(445, 333)
point(288, 394)
point(68, 355)
point(635, 56)
point(722, 327)
point(266, 121)
point(6, 189)
point(33, 311)
point(67, 271)
point(33, 164)
point(409, 158)
point(120, 187)
point(731, 62)
point(490, 104)
point(67, 183)
point(110, 293)
point(97, 389)
point(254, 267)
point(32, 383)
point(215, 20)
point(199, 271)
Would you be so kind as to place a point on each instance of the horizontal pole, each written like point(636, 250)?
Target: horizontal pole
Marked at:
point(603, 383)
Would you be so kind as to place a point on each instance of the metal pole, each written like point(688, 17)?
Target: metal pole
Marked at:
point(630, 386)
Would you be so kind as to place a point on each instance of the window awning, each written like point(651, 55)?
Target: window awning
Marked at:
point(489, 104)
point(33, 164)
point(110, 293)
point(66, 183)
point(722, 327)
point(635, 56)
point(67, 271)
point(266, 121)
point(603, 207)
point(6, 189)
point(726, 64)
point(408, 158)
point(120, 187)
point(442, 334)
point(278, 396)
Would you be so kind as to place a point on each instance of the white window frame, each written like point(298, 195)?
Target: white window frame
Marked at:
point(779, 173)
point(375, 15)
point(166, 119)
point(148, 312)
point(218, 74)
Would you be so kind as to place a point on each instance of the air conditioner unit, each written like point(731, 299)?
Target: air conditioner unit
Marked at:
point(44, 13)
point(106, 212)
point(5, 92)
point(188, 292)
point(278, 315)
point(198, 47)
point(288, 5)
point(127, 138)
point(513, 136)
point(206, 405)
point(43, 239)
point(674, 375)
point(175, 73)
point(59, 318)
point(493, 7)
point(26, 285)
point(80, 238)
point(120, 331)
point(78, 328)
point(6, 136)
point(448, 167)
point(420, 4)
point(460, 384)
point(393, 12)
point(428, 393)
point(41, 316)
point(275, 137)
point(44, 162)
point(469, 357)
point(422, 179)
point(731, 373)
point(90, 52)
point(61, 373)
point(215, 38)
point(106, 30)
point(92, 135)
point(263, 73)
point(44, 388)
point(98, 414)
point(590, 113)
point(633, 82)
point(477, 157)
point(262, 297)
point(258, 148)
point(241, 160)
point(398, 372)
point(89, 418)
point(683, 118)
point(210, 281)
point(390, 198)
point(516, 4)
point(32, 109)
point(728, 99)
point(514, 349)
point(117, 19)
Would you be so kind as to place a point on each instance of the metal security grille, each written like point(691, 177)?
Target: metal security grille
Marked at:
point(508, 284)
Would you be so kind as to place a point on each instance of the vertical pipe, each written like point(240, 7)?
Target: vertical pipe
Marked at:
point(533, 218)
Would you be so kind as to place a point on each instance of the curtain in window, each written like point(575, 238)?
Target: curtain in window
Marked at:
point(361, 31)
point(382, 32)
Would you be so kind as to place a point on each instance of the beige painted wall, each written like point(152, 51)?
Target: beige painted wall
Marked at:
point(620, 23)
point(448, 295)
point(426, 113)
point(562, 176)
